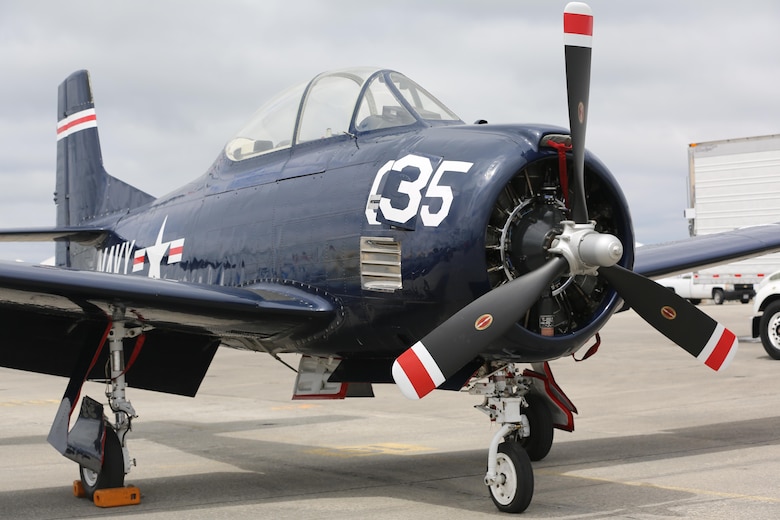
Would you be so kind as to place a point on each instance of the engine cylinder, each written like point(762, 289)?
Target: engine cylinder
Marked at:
point(526, 219)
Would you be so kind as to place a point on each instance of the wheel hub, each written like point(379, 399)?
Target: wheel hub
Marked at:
point(505, 487)
point(774, 337)
point(89, 477)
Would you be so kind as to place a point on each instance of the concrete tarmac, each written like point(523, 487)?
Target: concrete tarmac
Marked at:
point(657, 436)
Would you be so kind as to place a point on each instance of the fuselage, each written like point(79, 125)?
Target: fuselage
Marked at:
point(309, 216)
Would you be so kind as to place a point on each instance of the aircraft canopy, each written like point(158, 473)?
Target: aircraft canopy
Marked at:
point(350, 101)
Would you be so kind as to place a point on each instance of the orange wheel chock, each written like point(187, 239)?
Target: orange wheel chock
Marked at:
point(115, 497)
point(78, 489)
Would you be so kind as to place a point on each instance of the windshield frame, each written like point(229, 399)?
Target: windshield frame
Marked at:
point(255, 139)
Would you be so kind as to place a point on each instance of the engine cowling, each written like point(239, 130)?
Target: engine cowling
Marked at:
point(524, 223)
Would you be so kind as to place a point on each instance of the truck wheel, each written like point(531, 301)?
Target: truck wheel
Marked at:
point(717, 296)
point(695, 301)
point(770, 330)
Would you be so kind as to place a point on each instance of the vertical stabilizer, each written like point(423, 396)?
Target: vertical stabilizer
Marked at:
point(84, 190)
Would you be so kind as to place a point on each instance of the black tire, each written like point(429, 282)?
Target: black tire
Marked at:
point(770, 330)
point(514, 486)
point(112, 474)
point(539, 443)
point(717, 296)
point(695, 301)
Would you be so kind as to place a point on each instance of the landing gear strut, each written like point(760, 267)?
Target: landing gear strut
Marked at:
point(509, 476)
point(116, 458)
point(96, 443)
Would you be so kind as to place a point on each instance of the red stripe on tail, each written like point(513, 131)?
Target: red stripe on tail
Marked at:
point(76, 122)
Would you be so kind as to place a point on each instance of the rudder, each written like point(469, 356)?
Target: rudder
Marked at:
point(84, 190)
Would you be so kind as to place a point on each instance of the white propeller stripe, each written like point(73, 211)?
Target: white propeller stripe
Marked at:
point(429, 363)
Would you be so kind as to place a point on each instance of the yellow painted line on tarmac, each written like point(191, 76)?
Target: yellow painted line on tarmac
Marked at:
point(694, 491)
point(31, 402)
point(367, 450)
point(301, 406)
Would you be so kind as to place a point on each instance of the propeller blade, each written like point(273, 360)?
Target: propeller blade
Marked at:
point(674, 317)
point(578, 34)
point(451, 345)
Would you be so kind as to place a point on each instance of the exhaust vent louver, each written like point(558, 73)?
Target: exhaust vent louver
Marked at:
point(380, 264)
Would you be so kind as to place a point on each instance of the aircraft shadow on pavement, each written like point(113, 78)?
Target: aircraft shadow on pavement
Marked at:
point(280, 472)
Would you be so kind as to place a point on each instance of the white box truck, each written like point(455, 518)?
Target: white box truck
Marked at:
point(734, 183)
point(687, 286)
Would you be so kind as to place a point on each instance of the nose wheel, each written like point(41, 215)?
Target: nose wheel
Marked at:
point(513, 485)
point(509, 476)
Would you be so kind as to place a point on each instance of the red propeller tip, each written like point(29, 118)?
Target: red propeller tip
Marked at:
point(577, 25)
point(720, 349)
point(416, 373)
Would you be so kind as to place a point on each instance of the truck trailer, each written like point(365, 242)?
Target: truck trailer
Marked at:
point(734, 183)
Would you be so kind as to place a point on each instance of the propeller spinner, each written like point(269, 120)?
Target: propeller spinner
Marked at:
point(579, 249)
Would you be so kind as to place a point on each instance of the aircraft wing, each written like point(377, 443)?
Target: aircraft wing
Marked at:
point(659, 260)
point(51, 317)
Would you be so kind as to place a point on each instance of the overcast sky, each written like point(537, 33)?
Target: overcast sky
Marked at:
point(174, 80)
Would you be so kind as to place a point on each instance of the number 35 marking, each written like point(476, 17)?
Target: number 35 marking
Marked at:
point(414, 190)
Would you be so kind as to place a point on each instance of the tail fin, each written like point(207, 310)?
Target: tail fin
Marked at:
point(85, 191)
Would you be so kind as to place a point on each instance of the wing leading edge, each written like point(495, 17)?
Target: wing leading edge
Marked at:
point(658, 260)
point(50, 317)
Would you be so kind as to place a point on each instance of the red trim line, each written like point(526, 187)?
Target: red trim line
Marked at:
point(556, 395)
point(91, 366)
point(76, 122)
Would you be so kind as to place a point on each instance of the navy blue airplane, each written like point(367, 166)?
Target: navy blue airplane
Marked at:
point(357, 221)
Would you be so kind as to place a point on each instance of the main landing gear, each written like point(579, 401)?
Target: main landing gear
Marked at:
point(96, 443)
point(116, 458)
point(525, 434)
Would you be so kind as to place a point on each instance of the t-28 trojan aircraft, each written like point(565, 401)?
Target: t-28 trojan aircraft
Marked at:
point(360, 223)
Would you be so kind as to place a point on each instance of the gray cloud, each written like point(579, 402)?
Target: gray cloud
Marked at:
point(173, 80)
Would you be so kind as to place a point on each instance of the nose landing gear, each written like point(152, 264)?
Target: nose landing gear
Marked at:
point(512, 485)
point(509, 476)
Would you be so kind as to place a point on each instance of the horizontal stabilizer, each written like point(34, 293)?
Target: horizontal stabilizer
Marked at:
point(80, 235)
